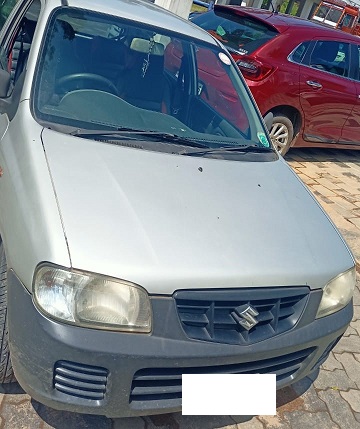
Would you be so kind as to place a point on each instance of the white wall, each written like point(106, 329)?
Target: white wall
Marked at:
point(180, 7)
point(256, 3)
point(307, 8)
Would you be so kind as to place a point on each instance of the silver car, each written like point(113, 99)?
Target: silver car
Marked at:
point(148, 226)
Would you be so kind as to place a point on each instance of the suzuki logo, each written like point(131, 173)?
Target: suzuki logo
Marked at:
point(245, 315)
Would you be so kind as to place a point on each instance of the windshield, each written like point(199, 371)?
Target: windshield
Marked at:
point(243, 34)
point(98, 72)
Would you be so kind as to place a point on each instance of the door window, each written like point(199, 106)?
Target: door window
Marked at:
point(357, 66)
point(14, 51)
point(331, 56)
point(298, 53)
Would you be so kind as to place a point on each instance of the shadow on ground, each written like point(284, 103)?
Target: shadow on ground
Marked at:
point(316, 155)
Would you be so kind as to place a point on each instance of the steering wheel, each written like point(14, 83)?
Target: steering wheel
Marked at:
point(72, 82)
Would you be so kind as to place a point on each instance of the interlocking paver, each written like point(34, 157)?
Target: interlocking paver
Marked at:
point(356, 326)
point(355, 221)
point(331, 363)
point(344, 193)
point(304, 420)
point(356, 298)
point(205, 422)
point(351, 366)
point(306, 179)
point(343, 202)
point(332, 185)
point(349, 344)
point(356, 312)
point(311, 401)
point(337, 379)
point(352, 397)
point(350, 331)
point(253, 423)
point(340, 210)
point(352, 197)
point(129, 423)
point(161, 421)
point(24, 417)
point(321, 190)
point(55, 419)
point(274, 422)
point(339, 409)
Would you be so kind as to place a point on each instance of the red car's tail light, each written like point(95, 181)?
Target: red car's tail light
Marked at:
point(253, 69)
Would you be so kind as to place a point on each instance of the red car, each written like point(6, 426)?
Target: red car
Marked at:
point(305, 74)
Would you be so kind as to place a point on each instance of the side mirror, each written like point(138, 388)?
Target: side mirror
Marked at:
point(5, 80)
point(268, 119)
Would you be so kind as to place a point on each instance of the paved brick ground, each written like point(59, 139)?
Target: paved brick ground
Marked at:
point(329, 401)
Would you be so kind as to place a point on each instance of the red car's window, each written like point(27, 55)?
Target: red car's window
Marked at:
point(299, 53)
point(331, 56)
point(240, 33)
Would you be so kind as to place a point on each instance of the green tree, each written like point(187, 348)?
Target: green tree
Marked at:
point(6, 6)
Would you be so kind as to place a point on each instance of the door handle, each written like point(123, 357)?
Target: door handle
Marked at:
point(314, 84)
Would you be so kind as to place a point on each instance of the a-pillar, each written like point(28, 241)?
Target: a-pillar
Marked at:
point(180, 7)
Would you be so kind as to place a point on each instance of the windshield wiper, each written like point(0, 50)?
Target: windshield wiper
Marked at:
point(133, 133)
point(103, 132)
point(225, 149)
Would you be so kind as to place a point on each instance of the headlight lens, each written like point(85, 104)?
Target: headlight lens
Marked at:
point(92, 300)
point(337, 293)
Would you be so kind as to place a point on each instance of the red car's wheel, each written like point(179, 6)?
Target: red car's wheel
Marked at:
point(282, 133)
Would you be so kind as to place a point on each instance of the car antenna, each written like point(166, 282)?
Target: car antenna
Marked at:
point(272, 6)
point(64, 3)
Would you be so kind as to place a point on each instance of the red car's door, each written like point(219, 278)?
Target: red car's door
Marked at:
point(327, 95)
point(350, 133)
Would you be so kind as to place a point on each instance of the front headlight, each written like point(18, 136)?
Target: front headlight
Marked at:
point(337, 293)
point(92, 300)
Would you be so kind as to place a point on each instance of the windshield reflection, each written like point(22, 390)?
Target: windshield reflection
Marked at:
point(103, 73)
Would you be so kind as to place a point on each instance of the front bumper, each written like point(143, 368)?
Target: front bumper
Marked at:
point(120, 374)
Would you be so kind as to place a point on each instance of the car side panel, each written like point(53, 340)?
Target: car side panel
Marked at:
point(350, 133)
point(279, 89)
point(327, 101)
point(30, 223)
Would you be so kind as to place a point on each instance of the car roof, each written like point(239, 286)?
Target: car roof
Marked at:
point(283, 23)
point(141, 11)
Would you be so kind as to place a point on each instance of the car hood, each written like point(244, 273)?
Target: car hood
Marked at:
point(171, 222)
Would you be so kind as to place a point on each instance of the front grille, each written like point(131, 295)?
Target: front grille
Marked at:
point(82, 381)
point(213, 315)
point(164, 384)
